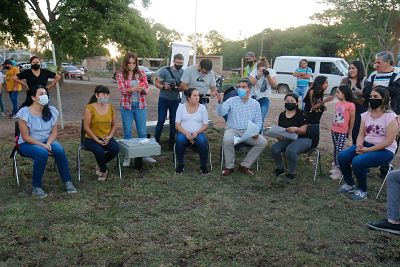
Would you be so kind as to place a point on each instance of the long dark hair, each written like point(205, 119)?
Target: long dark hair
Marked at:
point(46, 113)
point(360, 72)
point(346, 90)
point(124, 67)
point(99, 89)
point(385, 97)
point(317, 87)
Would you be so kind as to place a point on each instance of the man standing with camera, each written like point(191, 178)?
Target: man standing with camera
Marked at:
point(168, 81)
point(202, 78)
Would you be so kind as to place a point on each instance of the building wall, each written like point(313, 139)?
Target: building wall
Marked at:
point(96, 63)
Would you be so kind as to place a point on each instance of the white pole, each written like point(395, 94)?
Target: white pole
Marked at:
point(195, 34)
point(58, 90)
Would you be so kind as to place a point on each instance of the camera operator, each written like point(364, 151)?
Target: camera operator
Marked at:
point(202, 78)
point(168, 81)
point(263, 79)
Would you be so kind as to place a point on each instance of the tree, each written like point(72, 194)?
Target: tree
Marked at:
point(214, 42)
point(79, 28)
point(200, 43)
point(165, 37)
point(367, 26)
point(15, 25)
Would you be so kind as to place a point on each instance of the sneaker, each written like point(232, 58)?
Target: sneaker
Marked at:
point(2, 114)
point(278, 172)
point(290, 176)
point(149, 159)
point(127, 162)
point(204, 170)
point(386, 226)
point(345, 188)
point(70, 188)
point(38, 192)
point(179, 169)
point(13, 116)
point(359, 195)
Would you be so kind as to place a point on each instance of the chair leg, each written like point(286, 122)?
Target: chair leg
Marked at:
point(384, 180)
point(174, 151)
point(209, 156)
point(15, 167)
point(119, 167)
point(317, 163)
point(257, 165)
point(222, 157)
point(341, 178)
point(78, 163)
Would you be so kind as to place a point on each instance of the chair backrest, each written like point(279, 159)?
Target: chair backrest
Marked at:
point(16, 138)
point(313, 133)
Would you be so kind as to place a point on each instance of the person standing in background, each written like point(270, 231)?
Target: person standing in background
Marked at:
point(12, 87)
point(303, 75)
point(250, 60)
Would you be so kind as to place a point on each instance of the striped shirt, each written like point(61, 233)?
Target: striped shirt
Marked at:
point(300, 81)
point(123, 86)
point(383, 78)
point(240, 112)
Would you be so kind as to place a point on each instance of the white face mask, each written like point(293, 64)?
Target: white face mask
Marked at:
point(103, 100)
point(43, 100)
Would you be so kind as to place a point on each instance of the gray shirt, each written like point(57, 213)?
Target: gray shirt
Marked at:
point(164, 75)
point(194, 79)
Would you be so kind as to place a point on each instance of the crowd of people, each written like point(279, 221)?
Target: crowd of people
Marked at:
point(366, 119)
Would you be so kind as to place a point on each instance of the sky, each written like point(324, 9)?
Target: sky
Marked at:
point(234, 19)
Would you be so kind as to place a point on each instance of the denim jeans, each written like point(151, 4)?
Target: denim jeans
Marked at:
point(127, 117)
point(264, 105)
point(163, 106)
point(201, 143)
point(393, 195)
point(14, 101)
point(103, 154)
point(39, 155)
point(301, 92)
point(1, 102)
point(350, 162)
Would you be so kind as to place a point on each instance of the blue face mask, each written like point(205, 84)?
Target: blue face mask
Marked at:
point(242, 93)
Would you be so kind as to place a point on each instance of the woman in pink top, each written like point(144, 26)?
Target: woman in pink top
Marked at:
point(375, 145)
point(342, 125)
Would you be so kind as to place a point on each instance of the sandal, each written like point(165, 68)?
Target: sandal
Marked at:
point(102, 176)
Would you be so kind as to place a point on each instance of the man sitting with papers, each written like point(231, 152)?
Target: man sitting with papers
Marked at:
point(292, 143)
point(244, 122)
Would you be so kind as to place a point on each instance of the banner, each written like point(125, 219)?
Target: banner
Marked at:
point(180, 49)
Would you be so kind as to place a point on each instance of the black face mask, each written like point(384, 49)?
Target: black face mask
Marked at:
point(290, 106)
point(7, 67)
point(178, 67)
point(35, 66)
point(250, 63)
point(375, 103)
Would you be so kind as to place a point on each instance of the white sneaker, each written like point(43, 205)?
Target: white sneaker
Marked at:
point(149, 159)
point(126, 162)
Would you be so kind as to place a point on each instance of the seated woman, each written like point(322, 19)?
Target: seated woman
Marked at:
point(191, 123)
point(375, 145)
point(295, 121)
point(99, 125)
point(37, 122)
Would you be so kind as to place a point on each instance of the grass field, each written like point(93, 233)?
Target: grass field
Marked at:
point(156, 218)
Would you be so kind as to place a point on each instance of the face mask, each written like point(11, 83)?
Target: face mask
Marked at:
point(103, 100)
point(43, 100)
point(35, 66)
point(242, 93)
point(7, 67)
point(250, 63)
point(178, 67)
point(290, 106)
point(375, 103)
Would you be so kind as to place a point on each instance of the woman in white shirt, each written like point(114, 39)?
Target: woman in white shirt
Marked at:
point(191, 123)
point(263, 79)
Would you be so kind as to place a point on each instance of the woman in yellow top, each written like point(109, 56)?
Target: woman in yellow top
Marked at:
point(12, 87)
point(99, 125)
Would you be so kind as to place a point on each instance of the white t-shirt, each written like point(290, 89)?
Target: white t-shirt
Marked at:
point(191, 122)
point(255, 90)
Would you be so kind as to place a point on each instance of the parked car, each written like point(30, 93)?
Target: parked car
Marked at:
point(23, 65)
point(72, 72)
point(149, 73)
point(332, 67)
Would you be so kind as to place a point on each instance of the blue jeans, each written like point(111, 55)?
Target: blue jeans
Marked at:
point(301, 92)
point(14, 101)
point(350, 162)
point(201, 143)
point(1, 102)
point(127, 117)
point(264, 105)
point(393, 195)
point(39, 155)
point(103, 154)
point(163, 106)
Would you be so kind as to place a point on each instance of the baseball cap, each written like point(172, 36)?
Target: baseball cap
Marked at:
point(250, 54)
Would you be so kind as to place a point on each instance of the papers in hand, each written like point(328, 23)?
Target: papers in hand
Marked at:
point(275, 131)
point(252, 130)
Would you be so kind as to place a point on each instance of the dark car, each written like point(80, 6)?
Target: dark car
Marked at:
point(149, 73)
point(72, 72)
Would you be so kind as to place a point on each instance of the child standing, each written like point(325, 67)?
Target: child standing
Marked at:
point(342, 125)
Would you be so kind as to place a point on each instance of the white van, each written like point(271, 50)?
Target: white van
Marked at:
point(332, 67)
